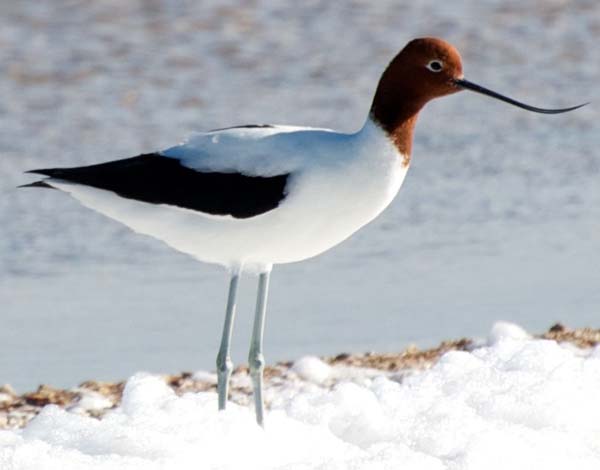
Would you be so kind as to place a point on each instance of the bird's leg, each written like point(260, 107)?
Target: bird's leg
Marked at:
point(256, 360)
point(224, 364)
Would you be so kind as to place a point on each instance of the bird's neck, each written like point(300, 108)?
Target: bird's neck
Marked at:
point(395, 109)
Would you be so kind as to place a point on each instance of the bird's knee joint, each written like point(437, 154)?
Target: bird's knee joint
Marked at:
point(256, 362)
point(224, 364)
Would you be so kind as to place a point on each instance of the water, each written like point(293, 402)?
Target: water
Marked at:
point(499, 217)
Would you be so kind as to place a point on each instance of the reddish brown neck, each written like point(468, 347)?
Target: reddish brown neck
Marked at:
point(399, 97)
point(396, 111)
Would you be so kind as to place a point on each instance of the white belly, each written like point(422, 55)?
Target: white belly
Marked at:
point(303, 226)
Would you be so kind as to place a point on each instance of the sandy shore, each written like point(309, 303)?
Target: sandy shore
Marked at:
point(94, 398)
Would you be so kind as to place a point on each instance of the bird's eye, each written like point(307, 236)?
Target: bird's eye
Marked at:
point(435, 66)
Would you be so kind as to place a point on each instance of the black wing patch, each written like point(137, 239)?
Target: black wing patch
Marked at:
point(157, 179)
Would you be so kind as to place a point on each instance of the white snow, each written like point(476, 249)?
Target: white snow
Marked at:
point(90, 400)
point(517, 403)
point(505, 330)
point(312, 369)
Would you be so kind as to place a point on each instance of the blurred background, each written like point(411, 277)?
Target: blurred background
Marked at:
point(499, 217)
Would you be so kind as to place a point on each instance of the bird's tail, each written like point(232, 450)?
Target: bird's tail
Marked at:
point(51, 172)
point(37, 184)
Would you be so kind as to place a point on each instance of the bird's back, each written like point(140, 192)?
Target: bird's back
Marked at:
point(257, 150)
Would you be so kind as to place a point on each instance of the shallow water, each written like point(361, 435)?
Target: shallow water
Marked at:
point(499, 217)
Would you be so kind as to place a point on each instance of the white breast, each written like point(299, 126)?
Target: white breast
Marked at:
point(331, 202)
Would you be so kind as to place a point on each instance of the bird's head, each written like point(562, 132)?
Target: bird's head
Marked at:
point(426, 68)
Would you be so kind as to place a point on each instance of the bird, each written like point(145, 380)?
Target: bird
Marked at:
point(252, 196)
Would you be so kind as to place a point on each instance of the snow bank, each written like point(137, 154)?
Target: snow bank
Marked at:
point(517, 403)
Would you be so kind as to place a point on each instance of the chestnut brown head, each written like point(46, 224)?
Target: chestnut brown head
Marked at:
point(427, 68)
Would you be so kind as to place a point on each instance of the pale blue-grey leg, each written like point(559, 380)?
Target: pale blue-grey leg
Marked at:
point(256, 360)
point(224, 364)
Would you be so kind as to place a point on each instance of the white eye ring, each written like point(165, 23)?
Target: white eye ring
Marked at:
point(435, 66)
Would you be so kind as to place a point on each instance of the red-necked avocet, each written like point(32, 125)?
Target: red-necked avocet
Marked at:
point(249, 197)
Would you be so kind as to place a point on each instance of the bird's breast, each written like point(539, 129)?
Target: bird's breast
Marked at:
point(328, 203)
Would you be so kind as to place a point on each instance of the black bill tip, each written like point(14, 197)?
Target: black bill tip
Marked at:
point(467, 85)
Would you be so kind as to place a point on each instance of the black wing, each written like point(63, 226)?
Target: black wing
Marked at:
point(157, 179)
